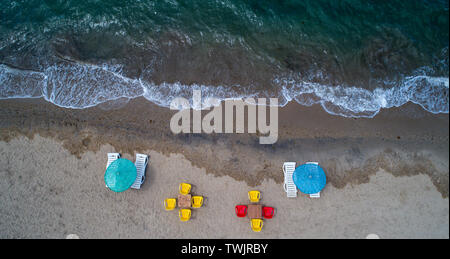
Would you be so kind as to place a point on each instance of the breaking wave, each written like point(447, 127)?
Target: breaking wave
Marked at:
point(78, 86)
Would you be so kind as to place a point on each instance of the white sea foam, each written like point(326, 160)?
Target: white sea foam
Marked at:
point(78, 86)
point(432, 93)
point(82, 86)
point(16, 83)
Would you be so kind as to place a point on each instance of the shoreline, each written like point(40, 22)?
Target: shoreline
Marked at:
point(404, 141)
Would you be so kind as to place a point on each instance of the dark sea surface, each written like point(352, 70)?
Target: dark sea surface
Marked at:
point(353, 57)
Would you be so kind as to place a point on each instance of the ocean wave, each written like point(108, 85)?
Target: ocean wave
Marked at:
point(432, 93)
point(78, 86)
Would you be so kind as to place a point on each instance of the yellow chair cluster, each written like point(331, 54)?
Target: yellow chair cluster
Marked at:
point(184, 214)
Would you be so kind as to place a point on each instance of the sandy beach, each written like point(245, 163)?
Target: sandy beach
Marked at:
point(386, 176)
point(48, 193)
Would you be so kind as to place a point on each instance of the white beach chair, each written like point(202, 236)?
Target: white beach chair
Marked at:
point(141, 165)
point(289, 186)
point(314, 195)
point(111, 158)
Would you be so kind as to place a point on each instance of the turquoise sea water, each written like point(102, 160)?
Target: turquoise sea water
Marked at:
point(353, 57)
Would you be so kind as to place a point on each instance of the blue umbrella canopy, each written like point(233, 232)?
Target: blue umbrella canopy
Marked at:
point(309, 178)
point(120, 175)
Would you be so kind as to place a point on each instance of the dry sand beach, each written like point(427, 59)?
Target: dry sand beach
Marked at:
point(386, 176)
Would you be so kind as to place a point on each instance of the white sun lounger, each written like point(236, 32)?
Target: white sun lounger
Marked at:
point(141, 165)
point(314, 195)
point(289, 186)
point(111, 158)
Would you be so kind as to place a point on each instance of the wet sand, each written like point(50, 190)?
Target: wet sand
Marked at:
point(387, 175)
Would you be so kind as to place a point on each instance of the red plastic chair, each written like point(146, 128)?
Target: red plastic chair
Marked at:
point(241, 210)
point(268, 212)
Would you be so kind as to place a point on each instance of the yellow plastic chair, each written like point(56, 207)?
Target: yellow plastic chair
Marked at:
point(254, 196)
point(185, 188)
point(197, 201)
point(170, 204)
point(257, 225)
point(184, 214)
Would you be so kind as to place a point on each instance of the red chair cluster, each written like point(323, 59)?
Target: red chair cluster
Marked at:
point(241, 211)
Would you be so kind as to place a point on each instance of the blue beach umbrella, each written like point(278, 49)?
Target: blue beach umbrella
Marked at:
point(309, 178)
point(120, 175)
